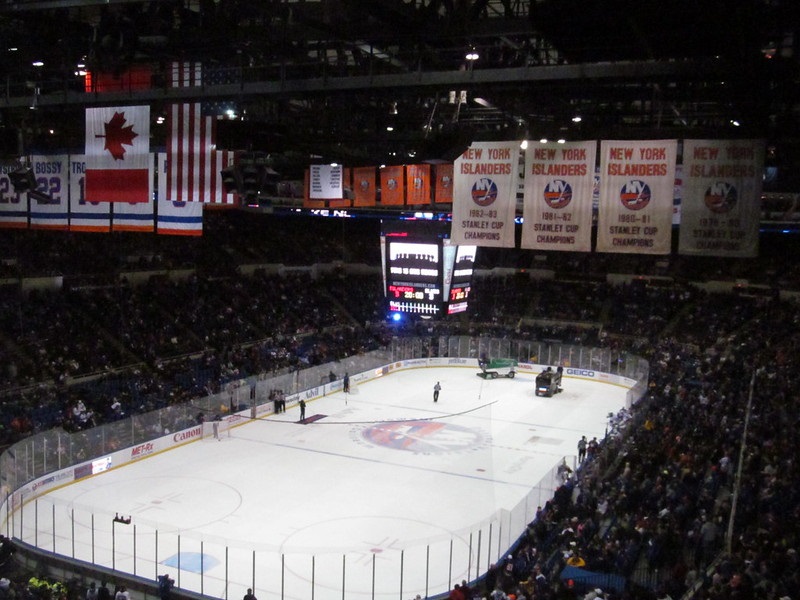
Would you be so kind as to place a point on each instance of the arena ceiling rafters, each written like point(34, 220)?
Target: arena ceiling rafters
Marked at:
point(328, 78)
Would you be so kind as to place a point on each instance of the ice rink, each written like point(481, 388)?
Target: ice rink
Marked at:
point(323, 509)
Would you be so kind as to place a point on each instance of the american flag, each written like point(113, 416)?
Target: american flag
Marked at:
point(193, 162)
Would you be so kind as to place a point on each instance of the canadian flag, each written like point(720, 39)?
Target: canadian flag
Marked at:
point(118, 165)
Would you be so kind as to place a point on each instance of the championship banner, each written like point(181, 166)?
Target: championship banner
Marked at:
point(50, 210)
point(485, 194)
point(364, 191)
point(418, 185)
point(720, 211)
point(443, 190)
point(13, 205)
point(85, 216)
point(637, 181)
point(176, 218)
point(118, 154)
point(325, 182)
point(558, 196)
point(392, 186)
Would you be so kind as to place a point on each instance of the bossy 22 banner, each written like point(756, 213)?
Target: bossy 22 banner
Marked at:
point(49, 207)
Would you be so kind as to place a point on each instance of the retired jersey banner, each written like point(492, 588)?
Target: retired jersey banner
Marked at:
point(118, 154)
point(443, 190)
point(392, 186)
point(178, 217)
point(720, 210)
point(50, 208)
point(364, 190)
point(558, 196)
point(485, 194)
point(637, 181)
point(13, 205)
point(83, 215)
point(418, 185)
point(136, 216)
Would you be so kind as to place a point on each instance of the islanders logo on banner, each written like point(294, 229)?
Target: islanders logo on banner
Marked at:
point(721, 197)
point(484, 192)
point(557, 193)
point(637, 180)
point(635, 195)
point(485, 185)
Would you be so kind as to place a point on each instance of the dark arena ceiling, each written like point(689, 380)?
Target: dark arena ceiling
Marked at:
point(310, 80)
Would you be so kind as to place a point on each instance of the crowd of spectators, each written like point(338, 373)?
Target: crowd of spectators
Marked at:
point(710, 444)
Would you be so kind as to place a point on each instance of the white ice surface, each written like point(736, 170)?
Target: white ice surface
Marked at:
point(297, 510)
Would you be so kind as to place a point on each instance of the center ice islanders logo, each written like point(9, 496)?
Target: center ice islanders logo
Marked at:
point(635, 195)
point(721, 197)
point(557, 193)
point(424, 437)
point(484, 192)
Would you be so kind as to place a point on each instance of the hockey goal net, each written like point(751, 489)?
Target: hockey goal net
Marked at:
point(216, 430)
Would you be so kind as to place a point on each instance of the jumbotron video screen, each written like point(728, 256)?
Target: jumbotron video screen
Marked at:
point(423, 274)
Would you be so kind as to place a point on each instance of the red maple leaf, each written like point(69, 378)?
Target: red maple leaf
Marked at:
point(117, 135)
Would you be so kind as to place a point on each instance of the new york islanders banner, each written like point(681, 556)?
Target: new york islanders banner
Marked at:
point(364, 189)
point(443, 189)
point(85, 216)
point(13, 205)
point(637, 181)
point(720, 209)
point(176, 218)
point(558, 196)
point(485, 194)
point(393, 189)
point(117, 154)
point(418, 185)
point(50, 208)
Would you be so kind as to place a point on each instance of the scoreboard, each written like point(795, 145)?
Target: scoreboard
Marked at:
point(423, 273)
point(458, 278)
point(413, 282)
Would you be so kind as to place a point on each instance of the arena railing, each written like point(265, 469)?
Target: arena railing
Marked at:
point(51, 458)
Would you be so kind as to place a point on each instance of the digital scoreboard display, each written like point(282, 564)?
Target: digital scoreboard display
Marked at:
point(424, 274)
point(414, 282)
point(460, 282)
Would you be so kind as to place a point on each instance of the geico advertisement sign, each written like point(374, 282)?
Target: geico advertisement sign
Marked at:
point(580, 373)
